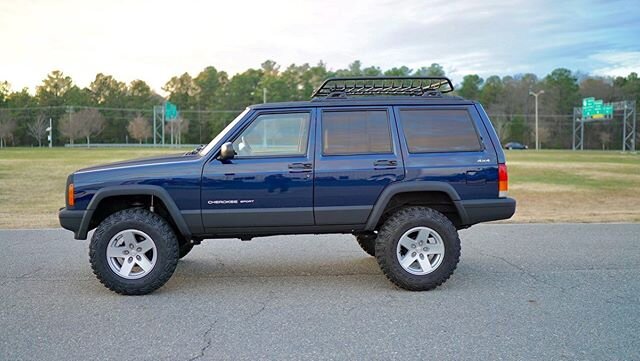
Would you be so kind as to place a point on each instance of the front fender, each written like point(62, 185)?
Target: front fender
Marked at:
point(150, 190)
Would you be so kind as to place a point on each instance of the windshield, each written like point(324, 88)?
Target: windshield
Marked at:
point(221, 135)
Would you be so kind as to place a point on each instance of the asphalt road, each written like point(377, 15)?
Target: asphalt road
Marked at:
point(521, 292)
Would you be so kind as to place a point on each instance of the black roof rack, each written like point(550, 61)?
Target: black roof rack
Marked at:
point(384, 85)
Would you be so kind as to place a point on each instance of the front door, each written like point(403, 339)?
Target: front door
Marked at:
point(269, 182)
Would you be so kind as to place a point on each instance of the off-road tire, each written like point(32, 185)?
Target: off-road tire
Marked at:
point(153, 225)
point(392, 230)
point(368, 243)
point(185, 248)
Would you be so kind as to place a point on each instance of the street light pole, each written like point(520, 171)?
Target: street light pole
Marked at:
point(535, 95)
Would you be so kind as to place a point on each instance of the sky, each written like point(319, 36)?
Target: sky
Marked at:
point(154, 40)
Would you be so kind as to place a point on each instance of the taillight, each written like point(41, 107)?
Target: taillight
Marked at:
point(70, 198)
point(503, 181)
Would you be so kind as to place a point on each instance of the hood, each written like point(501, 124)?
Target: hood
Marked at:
point(173, 158)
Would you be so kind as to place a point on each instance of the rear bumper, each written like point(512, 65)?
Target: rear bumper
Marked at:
point(72, 220)
point(485, 210)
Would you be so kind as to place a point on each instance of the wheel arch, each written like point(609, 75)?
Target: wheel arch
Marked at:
point(428, 189)
point(173, 215)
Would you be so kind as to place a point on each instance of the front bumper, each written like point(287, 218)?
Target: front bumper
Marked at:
point(72, 220)
point(485, 210)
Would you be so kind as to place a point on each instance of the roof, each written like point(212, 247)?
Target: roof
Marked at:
point(367, 101)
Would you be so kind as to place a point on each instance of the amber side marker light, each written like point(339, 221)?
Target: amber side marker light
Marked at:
point(503, 181)
point(70, 199)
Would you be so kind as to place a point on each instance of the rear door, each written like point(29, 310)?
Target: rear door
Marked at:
point(357, 155)
point(448, 144)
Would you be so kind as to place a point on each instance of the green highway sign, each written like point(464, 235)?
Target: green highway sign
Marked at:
point(170, 111)
point(596, 109)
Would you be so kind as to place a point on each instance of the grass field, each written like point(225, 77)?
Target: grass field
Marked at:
point(550, 186)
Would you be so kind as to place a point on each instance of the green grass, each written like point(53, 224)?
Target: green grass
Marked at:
point(567, 186)
point(550, 186)
point(32, 180)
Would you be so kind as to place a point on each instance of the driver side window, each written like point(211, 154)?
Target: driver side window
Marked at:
point(274, 135)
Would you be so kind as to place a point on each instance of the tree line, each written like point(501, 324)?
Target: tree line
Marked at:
point(112, 111)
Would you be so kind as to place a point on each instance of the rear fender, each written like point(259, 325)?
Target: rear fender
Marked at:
point(416, 186)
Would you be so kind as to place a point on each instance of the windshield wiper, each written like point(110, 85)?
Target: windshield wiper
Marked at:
point(195, 151)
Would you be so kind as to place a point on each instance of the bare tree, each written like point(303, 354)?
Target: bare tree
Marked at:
point(605, 138)
point(7, 127)
point(69, 127)
point(544, 134)
point(139, 128)
point(177, 127)
point(183, 128)
point(501, 125)
point(38, 128)
point(90, 122)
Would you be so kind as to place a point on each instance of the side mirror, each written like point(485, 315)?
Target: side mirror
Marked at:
point(226, 151)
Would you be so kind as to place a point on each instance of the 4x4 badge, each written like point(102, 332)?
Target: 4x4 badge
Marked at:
point(484, 160)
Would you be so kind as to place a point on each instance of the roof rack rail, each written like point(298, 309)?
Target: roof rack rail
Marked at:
point(383, 85)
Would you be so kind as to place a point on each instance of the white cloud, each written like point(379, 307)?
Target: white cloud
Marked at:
point(154, 40)
point(617, 63)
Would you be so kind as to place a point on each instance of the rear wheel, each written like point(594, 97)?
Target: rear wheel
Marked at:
point(185, 248)
point(133, 252)
point(418, 248)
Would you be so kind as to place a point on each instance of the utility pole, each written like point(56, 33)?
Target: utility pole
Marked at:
point(264, 95)
point(50, 136)
point(535, 95)
point(154, 126)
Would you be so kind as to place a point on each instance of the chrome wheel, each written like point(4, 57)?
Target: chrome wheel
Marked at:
point(420, 251)
point(131, 254)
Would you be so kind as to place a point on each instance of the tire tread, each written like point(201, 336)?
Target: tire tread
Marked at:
point(151, 219)
point(392, 225)
point(367, 243)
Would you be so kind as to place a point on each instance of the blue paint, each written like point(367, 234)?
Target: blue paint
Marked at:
point(249, 187)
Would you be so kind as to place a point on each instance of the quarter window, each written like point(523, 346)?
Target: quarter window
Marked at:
point(274, 135)
point(355, 132)
point(438, 130)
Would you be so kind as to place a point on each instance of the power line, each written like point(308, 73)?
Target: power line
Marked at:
point(526, 115)
point(114, 109)
point(224, 111)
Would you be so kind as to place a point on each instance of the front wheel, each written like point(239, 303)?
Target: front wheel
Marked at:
point(368, 243)
point(133, 252)
point(418, 248)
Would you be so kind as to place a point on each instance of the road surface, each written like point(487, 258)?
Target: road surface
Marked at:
point(552, 292)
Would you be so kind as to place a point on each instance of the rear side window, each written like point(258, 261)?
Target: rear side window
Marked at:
point(438, 130)
point(355, 132)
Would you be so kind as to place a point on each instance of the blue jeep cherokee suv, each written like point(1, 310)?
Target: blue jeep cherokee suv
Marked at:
point(392, 161)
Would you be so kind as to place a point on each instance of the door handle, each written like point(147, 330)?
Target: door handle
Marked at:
point(385, 164)
point(300, 167)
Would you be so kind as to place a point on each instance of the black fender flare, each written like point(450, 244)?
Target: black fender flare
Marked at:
point(136, 189)
point(414, 186)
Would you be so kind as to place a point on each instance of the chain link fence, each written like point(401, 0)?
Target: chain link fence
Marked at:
point(80, 125)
